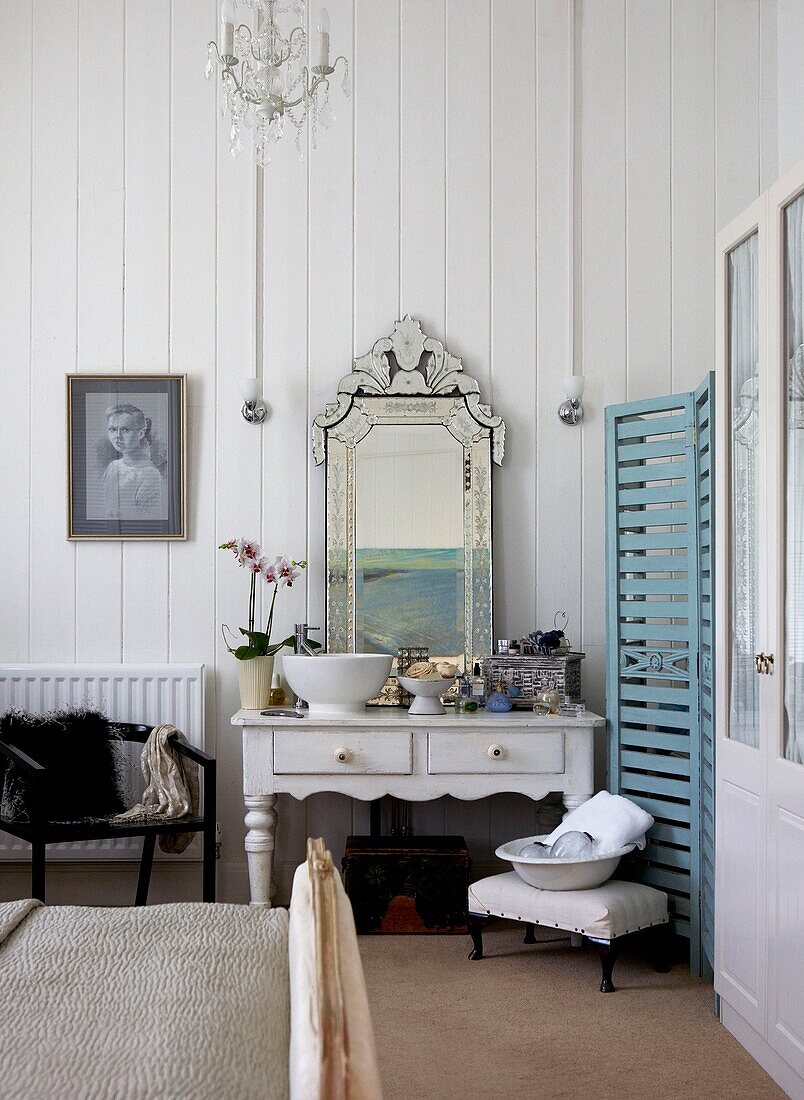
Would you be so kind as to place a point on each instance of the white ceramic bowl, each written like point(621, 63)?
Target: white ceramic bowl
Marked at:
point(561, 874)
point(427, 694)
point(336, 685)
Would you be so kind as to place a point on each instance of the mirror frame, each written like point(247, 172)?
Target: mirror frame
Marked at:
point(408, 378)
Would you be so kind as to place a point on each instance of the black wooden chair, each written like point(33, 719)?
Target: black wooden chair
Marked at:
point(40, 832)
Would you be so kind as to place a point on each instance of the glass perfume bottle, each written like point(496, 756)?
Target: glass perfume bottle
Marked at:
point(477, 686)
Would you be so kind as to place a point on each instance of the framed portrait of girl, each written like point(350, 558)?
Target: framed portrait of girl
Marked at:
point(126, 456)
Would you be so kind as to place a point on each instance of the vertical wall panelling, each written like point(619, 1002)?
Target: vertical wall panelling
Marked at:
point(15, 321)
point(558, 497)
point(647, 115)
point(422, 223)
point(101, 157)
point(54, 261)
point(467, 326)
point(601, 58)
point(693, 189)
point(194, 204)
point(603, 215)
point(422, 201)
point(193, 226)
point(514, 367)
point(376, 79)
point(769, 105)
point(238, 457)
point(286, 451)
point(737, 106)
point(330, 351)
point(146, 304)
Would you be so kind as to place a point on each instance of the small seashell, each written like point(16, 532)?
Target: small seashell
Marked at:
point(446, 669)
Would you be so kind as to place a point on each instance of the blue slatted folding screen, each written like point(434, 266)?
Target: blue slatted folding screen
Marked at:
point(657, 510)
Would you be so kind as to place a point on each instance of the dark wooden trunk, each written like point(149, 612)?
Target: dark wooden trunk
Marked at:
point(407, 885)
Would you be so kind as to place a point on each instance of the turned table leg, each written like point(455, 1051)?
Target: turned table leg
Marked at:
point(573, 801)
point(261, 820)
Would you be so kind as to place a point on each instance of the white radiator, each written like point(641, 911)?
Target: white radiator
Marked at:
point(147, 694)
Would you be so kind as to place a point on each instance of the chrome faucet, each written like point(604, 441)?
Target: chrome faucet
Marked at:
point(302, 642)
point(302, 647)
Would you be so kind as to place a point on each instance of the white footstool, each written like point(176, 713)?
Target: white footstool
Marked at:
point(606, 915)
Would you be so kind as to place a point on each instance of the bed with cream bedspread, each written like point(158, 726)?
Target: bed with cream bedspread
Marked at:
point(185, 1002)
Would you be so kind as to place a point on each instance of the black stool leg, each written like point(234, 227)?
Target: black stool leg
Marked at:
point(662, 942)
point(146, 863)
point(530, 936)
point(608, 957)
point(475, 925)
point(38, 869)
point(208, 886)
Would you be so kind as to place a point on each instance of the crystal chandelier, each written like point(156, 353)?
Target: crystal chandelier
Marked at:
point(266, 77)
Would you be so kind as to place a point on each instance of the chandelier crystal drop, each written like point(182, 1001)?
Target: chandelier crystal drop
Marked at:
point(267, 79)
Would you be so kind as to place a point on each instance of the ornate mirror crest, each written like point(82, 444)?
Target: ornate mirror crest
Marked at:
point(408, 380)
point(408, 363)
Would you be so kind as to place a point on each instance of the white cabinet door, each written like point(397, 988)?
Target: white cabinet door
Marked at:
point(785, 743)
point(741, 530)
point(759, 901)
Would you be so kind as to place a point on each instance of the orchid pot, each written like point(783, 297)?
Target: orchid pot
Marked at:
point(254, 680)
point(255, 656)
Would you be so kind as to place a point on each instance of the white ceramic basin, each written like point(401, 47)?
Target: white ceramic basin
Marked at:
point(337, 685)
point(561, 874)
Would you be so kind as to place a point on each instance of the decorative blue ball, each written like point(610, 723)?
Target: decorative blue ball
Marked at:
point(513, 691)
point(498, 702)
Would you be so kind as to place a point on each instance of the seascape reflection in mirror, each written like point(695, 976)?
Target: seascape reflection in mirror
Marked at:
point(409, 559)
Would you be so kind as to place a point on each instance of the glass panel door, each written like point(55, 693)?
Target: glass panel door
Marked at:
point(743, 381)
point(794, 481)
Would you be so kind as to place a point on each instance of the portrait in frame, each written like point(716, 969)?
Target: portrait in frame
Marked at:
point(126, 456)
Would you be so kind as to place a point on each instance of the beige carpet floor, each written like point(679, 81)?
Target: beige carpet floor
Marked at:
point(530, 1022)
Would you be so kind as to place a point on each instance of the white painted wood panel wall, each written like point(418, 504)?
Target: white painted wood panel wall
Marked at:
point(130, 243)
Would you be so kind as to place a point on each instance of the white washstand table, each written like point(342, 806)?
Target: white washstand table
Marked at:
point(387, 751)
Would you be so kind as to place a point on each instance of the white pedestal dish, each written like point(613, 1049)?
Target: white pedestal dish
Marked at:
point(427, 694)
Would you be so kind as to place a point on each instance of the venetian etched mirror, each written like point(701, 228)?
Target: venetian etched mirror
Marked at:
point(408, 447)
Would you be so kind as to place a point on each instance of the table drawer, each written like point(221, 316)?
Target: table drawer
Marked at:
point(348, 752)
point(482, 752)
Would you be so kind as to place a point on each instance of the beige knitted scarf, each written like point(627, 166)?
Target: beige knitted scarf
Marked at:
point(171, 789)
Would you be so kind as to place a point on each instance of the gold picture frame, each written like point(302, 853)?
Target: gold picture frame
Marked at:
point(126, 456)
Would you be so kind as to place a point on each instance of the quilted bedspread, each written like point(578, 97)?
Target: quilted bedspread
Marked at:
point(168, 1002)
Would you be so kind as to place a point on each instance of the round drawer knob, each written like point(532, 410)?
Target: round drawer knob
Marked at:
point(496, 752)
point(343, 756)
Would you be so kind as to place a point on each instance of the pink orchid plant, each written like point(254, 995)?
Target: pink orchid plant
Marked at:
point(281, 573)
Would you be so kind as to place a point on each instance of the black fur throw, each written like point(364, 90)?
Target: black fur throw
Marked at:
point(81, 750)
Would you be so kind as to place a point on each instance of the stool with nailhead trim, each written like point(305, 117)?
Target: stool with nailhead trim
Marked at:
point(606, 915)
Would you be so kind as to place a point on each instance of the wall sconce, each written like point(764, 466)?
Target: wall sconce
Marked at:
point(571, 411)
point(253, 409)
